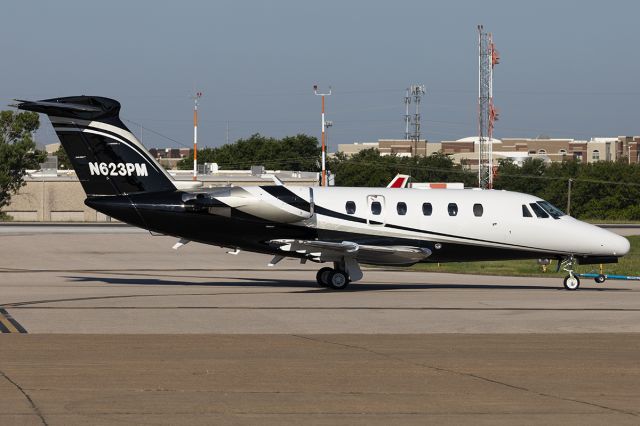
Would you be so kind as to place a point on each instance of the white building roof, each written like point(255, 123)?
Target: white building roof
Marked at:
point(476, 139)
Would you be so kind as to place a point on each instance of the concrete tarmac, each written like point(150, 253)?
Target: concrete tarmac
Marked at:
point(105, 327)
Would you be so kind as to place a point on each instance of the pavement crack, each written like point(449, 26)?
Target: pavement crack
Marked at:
point(467, 374)
point(33, 405)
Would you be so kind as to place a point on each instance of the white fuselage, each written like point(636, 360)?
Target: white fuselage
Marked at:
point(501, 223)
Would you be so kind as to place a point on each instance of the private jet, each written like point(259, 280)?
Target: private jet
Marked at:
point(344, 227)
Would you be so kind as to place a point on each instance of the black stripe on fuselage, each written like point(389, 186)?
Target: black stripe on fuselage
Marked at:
point(327, 212)
point(284, 194)
point(331, 213)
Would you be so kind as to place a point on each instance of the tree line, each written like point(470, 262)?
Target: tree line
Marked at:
point(300, 152)
point(602, 190)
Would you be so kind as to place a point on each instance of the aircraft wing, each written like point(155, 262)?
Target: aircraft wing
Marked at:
point(335, 251)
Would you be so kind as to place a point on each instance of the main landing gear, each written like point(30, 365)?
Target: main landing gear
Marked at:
point(333, 278)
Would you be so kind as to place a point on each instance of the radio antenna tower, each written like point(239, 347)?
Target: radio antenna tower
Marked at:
point(487, 114)
point(196, 97)
point(416, 91)
point(407, 117)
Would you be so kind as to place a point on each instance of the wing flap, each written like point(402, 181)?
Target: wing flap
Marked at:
point(334, 251)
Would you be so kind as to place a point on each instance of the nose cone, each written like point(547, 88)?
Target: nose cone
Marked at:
point(619, 245)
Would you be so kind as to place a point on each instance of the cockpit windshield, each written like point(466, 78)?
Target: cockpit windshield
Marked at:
point(555, 212)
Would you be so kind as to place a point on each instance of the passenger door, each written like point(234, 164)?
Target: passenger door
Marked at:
point(376, 214)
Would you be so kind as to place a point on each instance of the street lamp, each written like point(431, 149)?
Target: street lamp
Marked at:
point(324, 170)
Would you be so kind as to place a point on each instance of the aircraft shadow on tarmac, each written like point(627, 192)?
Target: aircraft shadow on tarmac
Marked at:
point(261, 282)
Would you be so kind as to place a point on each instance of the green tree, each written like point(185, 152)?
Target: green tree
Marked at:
point(17, 151)
point(63, 159)
point(300, 152)
point(528, 178)
point(603, 190)
point(369, 168)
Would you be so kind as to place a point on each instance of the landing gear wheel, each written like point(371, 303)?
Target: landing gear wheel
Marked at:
point(571, 282)
point(338, 280)
point(322, 277)
point(600, 279)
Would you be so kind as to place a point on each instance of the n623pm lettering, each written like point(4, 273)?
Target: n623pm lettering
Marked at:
point(118, 169)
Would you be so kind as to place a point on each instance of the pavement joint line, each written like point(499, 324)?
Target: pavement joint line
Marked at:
point(8, 324)
point(14, 305)
point(33, 405)
point(319, 308)
point(467, 374)
point(133, 271)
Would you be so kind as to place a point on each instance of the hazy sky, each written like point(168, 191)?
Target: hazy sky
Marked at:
point(568, 69)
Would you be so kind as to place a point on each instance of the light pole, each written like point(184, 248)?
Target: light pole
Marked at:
point(569, 196)
point(324, 170)
point(327, 124)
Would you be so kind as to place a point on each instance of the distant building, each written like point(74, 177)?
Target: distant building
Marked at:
point(57, 196)
point(548, 149)
point(465, 151)
point(169, 157)
point(399, 147)
point(356, 147)
point(52, 148)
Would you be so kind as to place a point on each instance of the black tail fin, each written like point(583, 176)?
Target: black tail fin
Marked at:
point(106, 156)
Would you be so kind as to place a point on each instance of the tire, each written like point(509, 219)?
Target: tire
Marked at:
point(322, 277)
point(571, 283)
point(600, 279)
point(338, 280)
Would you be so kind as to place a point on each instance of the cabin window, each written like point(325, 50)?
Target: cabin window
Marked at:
point(427, 209)
point(478, 210)
point(376, 207)
point(452, 208)
point(539, 211)
point(350, 207)
point(401, 208)
point(525, 211)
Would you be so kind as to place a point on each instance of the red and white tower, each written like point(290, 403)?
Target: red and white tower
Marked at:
point(488, 58)
point(196, 97)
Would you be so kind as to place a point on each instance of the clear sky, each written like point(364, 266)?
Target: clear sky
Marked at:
point(569, 68)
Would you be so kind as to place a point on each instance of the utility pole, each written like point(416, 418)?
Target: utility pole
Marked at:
point(487, 114)
point(227, 135)
point(324, 169)
point(569, 196)
point(416, 91)
point(196, 97)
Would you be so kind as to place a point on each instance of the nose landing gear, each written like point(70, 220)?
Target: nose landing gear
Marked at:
point(571, 282)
